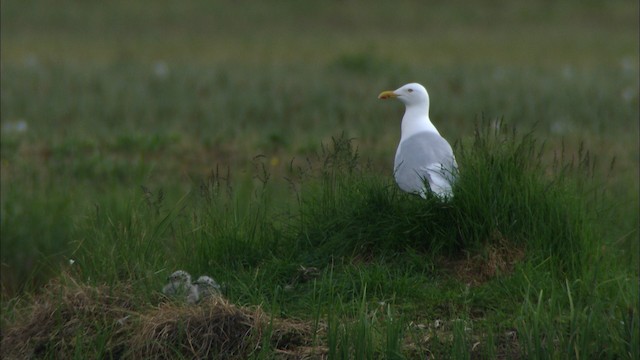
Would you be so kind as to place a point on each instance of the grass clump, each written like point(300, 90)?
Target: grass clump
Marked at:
point(506, 194)
point(505, 205)
point(559, 319)
point(69, 319)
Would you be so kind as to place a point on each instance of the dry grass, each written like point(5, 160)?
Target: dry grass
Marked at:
point(68, 317)
point(215, 329)
point(64, 317)
point(439, 333)
point(499, 257)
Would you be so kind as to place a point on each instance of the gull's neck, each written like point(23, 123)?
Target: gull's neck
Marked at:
point(416, 120)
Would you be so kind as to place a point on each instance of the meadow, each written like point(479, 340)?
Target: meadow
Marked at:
point(246, 141)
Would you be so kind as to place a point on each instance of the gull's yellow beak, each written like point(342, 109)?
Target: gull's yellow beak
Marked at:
point(387, 95)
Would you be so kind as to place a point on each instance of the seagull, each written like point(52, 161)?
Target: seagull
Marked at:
point(180, 286)
point(423, 156)
point(207, 287)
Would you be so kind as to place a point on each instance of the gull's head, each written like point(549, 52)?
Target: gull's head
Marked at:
point(180, 277)
point(410, 94)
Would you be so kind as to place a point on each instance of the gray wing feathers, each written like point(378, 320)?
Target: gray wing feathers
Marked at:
point(425, 156)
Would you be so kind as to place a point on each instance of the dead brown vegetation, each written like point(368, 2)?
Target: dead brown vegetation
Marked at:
point(499, 257)
point(68, 318)
point(65, 317)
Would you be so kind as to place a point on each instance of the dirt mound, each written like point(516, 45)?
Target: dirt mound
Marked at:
point(65, 317)
point(499, 257)
point(69, 318)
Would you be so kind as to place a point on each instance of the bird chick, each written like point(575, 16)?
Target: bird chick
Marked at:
point(207, 287)
point(180, 287)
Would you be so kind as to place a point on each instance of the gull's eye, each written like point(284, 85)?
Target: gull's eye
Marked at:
point(410, 90)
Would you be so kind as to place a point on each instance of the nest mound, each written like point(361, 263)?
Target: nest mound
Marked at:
point(215, 329)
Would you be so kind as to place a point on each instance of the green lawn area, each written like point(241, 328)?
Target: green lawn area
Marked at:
point(245, 141)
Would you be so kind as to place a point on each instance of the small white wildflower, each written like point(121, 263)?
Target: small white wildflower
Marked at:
point(628, 94)
point(568, 72)
point(628, 64)
point(71, 261)
point(161, 69)
point(561, 126)
point(499, 73)
point(18, 127)
point(31, 61)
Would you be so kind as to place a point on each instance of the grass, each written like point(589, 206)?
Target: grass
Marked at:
point(260, 156)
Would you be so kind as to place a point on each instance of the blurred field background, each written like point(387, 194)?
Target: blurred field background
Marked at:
point(101, 98)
